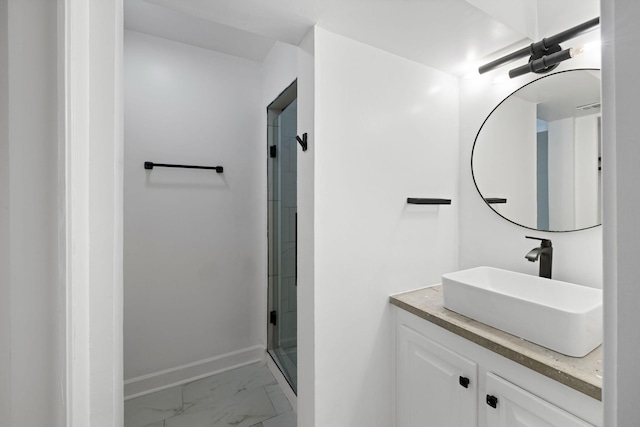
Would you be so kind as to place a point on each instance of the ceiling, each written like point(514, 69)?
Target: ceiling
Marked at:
point(559, 96)
point(454, 36)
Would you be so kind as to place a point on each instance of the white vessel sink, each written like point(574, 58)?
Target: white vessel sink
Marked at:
point(561, 316)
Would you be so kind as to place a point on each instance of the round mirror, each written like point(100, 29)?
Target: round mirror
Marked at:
point(536, 158)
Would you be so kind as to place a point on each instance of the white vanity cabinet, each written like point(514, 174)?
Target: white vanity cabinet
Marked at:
point(444, 380)
point(435, 385)
point(516, 407)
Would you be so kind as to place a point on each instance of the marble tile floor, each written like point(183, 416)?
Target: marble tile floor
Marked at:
point(244, 397)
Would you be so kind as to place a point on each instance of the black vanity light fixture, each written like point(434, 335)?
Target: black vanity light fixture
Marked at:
point(544, 55)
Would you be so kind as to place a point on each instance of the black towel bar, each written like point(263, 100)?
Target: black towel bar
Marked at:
point(151, 165)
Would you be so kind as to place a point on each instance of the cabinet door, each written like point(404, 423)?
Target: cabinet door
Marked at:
point(516, 407)
point(435, 386)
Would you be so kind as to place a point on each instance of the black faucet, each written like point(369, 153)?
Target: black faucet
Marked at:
point(545, 253)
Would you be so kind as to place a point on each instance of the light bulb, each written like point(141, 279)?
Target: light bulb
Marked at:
point(576, 51)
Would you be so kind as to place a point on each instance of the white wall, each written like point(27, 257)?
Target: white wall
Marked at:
point(588, 192)
point(486, 238)
point(5, 248)
point(31, 358)
point(195, 251)
point(306, 401)
point(505, 160)
point(621, 175)
point(385, 129)
point(279, 70)
point(561, 174)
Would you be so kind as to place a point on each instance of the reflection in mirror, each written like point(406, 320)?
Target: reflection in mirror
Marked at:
point(536, 158)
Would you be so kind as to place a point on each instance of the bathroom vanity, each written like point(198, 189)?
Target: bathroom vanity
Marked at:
point(453, 371)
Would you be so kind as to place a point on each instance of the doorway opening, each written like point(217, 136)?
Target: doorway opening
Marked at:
point(282, 231)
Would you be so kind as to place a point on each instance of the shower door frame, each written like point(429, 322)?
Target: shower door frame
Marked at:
point(282, 101)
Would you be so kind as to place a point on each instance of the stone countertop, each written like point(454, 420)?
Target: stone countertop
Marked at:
point(583, 374)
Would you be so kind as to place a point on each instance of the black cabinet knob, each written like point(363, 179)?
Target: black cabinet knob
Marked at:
point(464, 382)
point(492, 401)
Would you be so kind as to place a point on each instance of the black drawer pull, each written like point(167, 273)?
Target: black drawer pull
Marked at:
point(492, 401)
point(464, 382)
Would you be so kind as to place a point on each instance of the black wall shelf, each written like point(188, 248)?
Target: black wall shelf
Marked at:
point(494, 200)
point(151, 165)
point(420, 201)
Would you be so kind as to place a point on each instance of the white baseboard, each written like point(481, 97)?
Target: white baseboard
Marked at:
point(162, 380)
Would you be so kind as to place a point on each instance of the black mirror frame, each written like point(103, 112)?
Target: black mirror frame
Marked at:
point(476, 141)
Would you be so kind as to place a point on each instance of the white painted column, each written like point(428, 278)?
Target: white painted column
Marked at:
point(621, 151)
point(5, 250)
point(385, 129)
point(93, 206)
point(306, 235)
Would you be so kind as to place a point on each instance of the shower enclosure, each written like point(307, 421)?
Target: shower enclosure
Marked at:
point(282, 232)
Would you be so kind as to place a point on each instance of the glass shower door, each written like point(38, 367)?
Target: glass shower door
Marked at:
point(282, 171)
